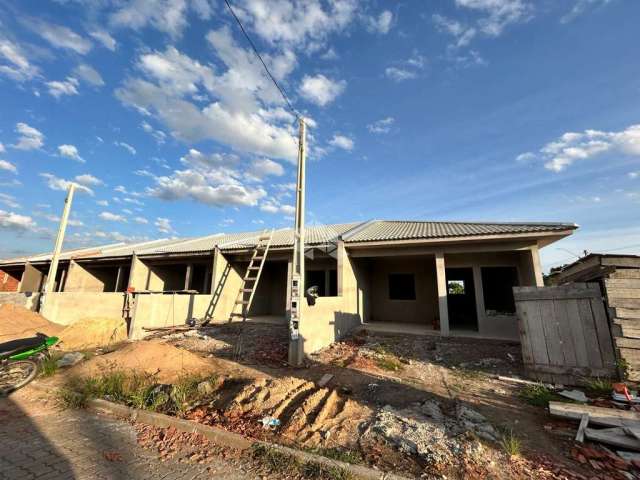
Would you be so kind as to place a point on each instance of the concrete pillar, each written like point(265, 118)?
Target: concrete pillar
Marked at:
point(187, 276)
point(443, 305)
point(530, 269)
point(139, 274)
point(537, 267)
point(341, 259)
point(479, 293)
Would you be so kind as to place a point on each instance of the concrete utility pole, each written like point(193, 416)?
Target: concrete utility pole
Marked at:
point(53, 268)
point(297, 277)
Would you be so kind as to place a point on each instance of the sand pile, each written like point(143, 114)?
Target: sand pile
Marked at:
point(18, 322)
point(93, 332)
point(147, 356)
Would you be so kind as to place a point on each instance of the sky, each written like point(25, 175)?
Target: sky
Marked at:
point(462, 110)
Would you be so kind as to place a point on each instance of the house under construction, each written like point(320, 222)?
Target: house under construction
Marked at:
point(447, 278)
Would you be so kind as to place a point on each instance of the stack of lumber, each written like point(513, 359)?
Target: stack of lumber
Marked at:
point(622, 290)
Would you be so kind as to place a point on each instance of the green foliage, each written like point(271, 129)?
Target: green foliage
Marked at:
point(598, 386)
point(389, 363)
point(537, 395)
point(287, 465)
point(623, 368)
point(49, 366)
point(510, 444)
point(340, 454)
point(74, 394)
point(184, 391)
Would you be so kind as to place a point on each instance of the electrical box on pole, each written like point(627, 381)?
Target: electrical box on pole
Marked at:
point(297, 274)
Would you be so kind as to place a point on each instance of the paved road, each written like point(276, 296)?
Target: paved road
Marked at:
point(38, 441)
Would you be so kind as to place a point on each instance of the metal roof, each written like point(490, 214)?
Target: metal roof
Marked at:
point(355, 232)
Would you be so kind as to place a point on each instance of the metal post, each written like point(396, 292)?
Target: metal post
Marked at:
point(53, 268)
point(297, 277)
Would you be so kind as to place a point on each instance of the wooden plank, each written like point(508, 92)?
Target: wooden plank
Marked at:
point(627, 328)
point(628, 343)
point(551, 333)
point(618, 292)
point(573, 290)
point(561, 315)
point(576, 330)
point(584, 421)
point(578, 372)
point(604, 335)
point(625, 273)
point(626, 313)
point(613, 436)
point(590, 334)
point(624, 303)
point(634, 432)
point(622, 283)
point(522, 314)
point(631, 355)
point(532, 317)
point(607, 417)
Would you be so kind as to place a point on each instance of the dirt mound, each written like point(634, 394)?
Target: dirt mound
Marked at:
point(93, 332)
point(167, 361)
point(18, 322)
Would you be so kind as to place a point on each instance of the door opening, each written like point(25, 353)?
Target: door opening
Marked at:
point(461, 298)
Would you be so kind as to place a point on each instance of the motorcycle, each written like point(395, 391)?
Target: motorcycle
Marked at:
point(19, 360)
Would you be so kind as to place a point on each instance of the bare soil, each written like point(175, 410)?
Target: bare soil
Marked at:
point(93, 332)
point(19, 322)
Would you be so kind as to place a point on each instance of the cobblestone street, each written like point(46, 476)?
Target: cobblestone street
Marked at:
point(38, 441)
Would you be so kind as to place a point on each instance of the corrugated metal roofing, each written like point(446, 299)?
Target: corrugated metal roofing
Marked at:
point(372, 231)
point(398, 230)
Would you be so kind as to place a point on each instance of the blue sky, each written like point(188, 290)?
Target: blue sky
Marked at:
point(505, 110)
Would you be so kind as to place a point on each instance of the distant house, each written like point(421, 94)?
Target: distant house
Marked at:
point(448, 278)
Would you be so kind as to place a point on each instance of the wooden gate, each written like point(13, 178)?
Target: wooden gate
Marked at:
point(564, 333)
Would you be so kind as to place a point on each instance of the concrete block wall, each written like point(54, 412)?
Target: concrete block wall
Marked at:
point(28, 300)
point(67, 307)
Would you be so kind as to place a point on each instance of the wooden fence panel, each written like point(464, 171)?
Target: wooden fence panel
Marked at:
point(564, 333)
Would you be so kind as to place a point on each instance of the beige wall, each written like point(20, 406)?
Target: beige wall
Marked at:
point(422, 310)
point(27, 300)
point(32, 279)
point(67, 307)
point(139, 274)
point(81, 279)
point(270, 297)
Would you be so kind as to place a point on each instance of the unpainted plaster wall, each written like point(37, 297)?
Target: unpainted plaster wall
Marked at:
point(32, 279)
point(67, 307)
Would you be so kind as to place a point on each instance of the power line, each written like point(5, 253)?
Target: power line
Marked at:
point(255, 50)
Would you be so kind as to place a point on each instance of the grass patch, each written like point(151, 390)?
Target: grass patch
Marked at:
point(49, 365)
point(340, 454)
point(74, 393)
point(283, 463)
point(598, 386)
point(469, 374)
point(510, 444)
point(389, 363)
point(537, 395)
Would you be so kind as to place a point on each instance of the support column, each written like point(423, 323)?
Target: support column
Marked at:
point(537, 268)
point(340, 259)
point(187, 276)
point(443, 305)
point(481, 313)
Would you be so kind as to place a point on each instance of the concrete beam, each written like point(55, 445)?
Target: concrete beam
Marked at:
point(443, 304)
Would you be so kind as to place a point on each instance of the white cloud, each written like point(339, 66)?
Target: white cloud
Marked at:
point(499, 13)
point(59, 36)
point(581, 6)
point(89, 75)
point(462, 33)
point(381, 24)
point(271, 205)
point(8, 166)
point(381, 126)
point(120, 189)
point(164, 226)
point(58, 88)
point(15, 64)
point(141, 220)
point(104, 38)
point(573, 146)
point(263, 167)
point(2, 149)
point(112, 217)
point(57, 183)
point(320, 89)
point(102, 203)
point(30, 137)
point(159, 135)
point(126, 146)
point(526, 157)
point(87, 179)
point(70, 151)
point(634, 175)
point(400, 74)
point(237, 108)
point(9, 200)
point(340, 141)
point(13, 221)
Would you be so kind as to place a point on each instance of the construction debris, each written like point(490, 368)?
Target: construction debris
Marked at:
point(70, 359)
point(575, 395)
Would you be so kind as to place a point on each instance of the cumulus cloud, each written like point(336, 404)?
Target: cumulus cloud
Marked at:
point(57, 183)
point(380, 24)
point(8, 166)
point(580, 7)
point(462, 34)
point(9, 200)
point(70, 151)
point(341, 141)
point(577, 146)
point(88, 74)
point(164, 226)
point(262, 168)
point(272, 205)
point(381, 126)
point(407, 69)
point(112, 217)
point(239, 108)
point(102, 203)
point(58, 88)
point(158, 135)
point(88, 180)
point(126, 146)
point(104, 38)
point(30, 138)
point(321, 90)
point(498, 14)
point(400, 74)
point(141, 220)
point(16, 222)
point(14, 63)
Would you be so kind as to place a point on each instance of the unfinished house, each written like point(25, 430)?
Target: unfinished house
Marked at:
point(439, 278)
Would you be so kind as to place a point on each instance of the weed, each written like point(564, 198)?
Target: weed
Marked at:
point(184, 391)
point(284, 463)
point(340, 454)
point(49, 365)
point(623, 368)
point(75, 393)
point(510, 444)
point(274, 459)
point(389, 363)
point(469, 374)
point(598, 386)
point(537, 395)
